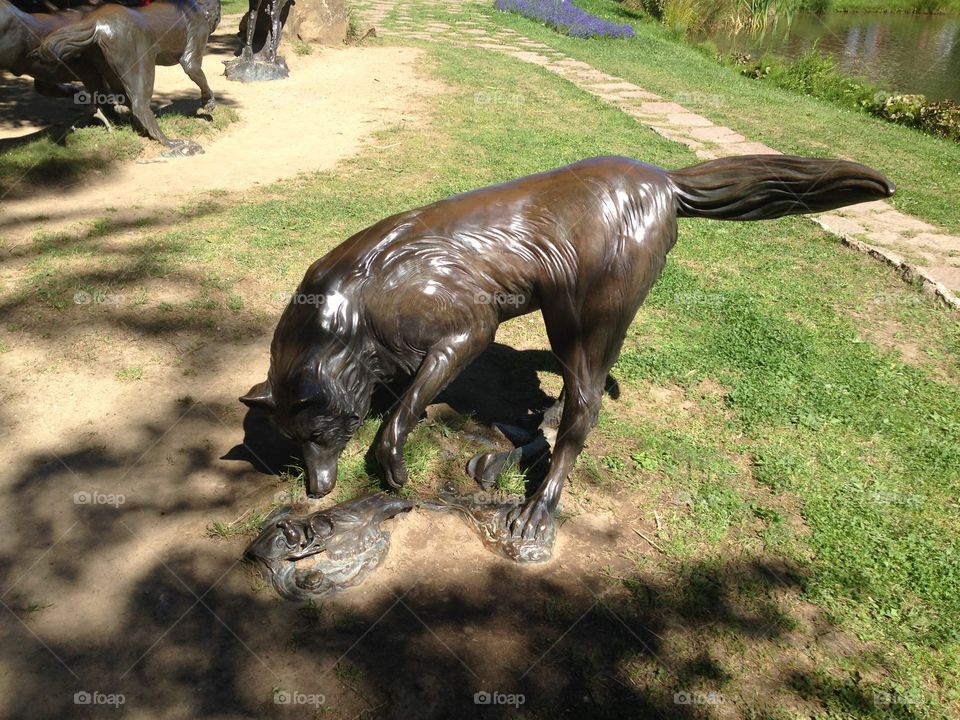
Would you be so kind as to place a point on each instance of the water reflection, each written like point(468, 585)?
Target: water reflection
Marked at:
point(904, 53)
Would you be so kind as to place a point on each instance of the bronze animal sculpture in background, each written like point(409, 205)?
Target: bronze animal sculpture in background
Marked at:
point(264, 64)
point(22, 33)
point(126, 44)
point(421, 294)
point(275, 13)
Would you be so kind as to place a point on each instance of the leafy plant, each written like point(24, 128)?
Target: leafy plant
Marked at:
point(935, 118)
point(816, 74)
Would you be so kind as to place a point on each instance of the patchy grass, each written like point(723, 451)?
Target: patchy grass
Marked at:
point(193, 127)
point(55, 160)
point(233, 7)
point(130, 373)
point(249, 524)
point(924, 167)
point(44, 162)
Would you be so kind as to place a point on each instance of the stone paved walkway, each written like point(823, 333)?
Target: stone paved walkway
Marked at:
point(918, 250)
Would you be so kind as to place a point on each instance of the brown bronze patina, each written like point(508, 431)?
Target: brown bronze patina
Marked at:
point(126, 44)
point(326, 551)
point(264, 64)
point(421, 293)
point(20, 36)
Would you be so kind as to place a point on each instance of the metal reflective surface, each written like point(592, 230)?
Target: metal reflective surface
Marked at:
point(20, 36)
point(114, 51)
point(265, 64)
point(326, 551)
point(421, 294)
point(487, 515)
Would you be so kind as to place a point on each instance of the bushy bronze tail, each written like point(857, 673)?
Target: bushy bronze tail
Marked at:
point(68, 41)
point(757, 187)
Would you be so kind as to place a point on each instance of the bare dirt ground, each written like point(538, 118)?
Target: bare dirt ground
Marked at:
point(301, 124)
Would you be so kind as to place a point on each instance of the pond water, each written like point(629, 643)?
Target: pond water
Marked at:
point(902, 53)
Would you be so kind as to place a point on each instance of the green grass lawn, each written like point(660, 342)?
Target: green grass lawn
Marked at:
point(820, 418)
point(901, 6)
point(924, 168)
point(231, 7)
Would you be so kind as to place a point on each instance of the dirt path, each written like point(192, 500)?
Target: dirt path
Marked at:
point(917, 249)
point(319, 124)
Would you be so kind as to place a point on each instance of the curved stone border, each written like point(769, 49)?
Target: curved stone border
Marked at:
point(909, 272)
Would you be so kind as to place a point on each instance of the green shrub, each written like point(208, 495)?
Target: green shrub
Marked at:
point(934, 118)
point(691, 17)
point(941, 118)
point(815, 74)
point(817, 7)
point(902, 109)
point(653, 8)
point(745, 63)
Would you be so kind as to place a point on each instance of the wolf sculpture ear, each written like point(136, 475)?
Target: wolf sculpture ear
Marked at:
point(260, 396)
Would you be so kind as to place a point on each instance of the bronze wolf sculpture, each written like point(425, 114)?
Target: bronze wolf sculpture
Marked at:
point(422, 292)
point(126, 44)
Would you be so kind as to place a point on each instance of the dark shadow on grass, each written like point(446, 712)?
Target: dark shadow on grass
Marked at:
point(196, 639)
point(502, 385)
point(180, 627)
point(22, 106)
point(103, 296)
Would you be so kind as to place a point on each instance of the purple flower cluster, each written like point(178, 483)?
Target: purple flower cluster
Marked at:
point(566, 17)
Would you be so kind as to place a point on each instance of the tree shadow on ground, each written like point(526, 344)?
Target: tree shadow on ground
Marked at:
point(133, 598)
point(142, 605)
point(197, 641)
point(103, 296)
point(22, 106)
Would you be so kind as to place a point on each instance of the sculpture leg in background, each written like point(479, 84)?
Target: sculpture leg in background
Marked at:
point(265, 65)
point(485, 468)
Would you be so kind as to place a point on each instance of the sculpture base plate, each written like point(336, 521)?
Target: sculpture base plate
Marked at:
point(488, 518)
point(255, 69)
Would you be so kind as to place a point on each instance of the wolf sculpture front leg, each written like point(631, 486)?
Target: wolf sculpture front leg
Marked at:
point(441, 365)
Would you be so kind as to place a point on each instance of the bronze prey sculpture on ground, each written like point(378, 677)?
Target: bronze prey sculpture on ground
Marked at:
point(126, 44)
point(421, 294)
point(326, 551)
